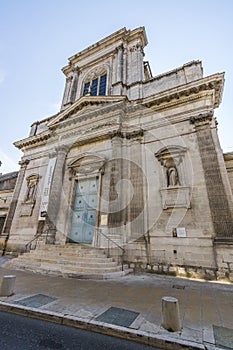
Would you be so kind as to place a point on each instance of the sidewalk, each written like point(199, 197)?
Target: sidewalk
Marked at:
point(206, 308)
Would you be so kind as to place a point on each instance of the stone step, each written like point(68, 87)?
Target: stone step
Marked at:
point(80, 252)
point(66, 254)
point(90, 263)
point(70, 255)
point(36, 266)
point(76, 259)
point(79, 275)
point(70, 247)
point(71, 260)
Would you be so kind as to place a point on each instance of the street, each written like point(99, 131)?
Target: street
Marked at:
point(22, 333)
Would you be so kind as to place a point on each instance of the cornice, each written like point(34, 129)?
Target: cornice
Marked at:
point(228, 156)
point(214, 82)
point(37, 140)
point(122, 35)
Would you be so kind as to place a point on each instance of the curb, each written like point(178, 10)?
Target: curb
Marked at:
point(147, 338)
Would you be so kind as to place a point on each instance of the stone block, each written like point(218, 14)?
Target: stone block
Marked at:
point(222, 265)
point(210, 272)
point(221, 275)
point(231, 276)
point(160, 268)
point(181, 271)
point(155, 268)
point(8, 285)
point(172, 269)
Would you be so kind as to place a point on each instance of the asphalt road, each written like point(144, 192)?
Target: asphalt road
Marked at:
point(22, 333)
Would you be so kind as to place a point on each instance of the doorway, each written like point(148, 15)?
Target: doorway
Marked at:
point(84, 211)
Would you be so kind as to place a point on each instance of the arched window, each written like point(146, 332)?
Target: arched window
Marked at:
point(95, 83)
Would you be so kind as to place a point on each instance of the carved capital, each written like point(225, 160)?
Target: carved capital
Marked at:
point(24, 163)
point(62, 149)
point(117, 133)
point(203, 118)
point(134, 134)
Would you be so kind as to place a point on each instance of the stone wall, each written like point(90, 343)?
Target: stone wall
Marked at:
point(228, 158)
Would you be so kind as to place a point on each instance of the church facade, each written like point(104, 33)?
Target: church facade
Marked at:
point(131, 161)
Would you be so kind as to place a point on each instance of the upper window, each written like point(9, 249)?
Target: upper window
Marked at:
point(95, 85)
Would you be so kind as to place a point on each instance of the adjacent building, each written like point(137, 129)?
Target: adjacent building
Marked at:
point(7, 185)
point(131, 159)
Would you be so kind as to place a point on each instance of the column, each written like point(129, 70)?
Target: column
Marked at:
point(124, 63)
point(115, 195)
point(55, 194)
point(65, 99)
point(119, 63)
point(73, 88)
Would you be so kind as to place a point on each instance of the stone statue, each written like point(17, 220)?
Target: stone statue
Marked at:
point(32, 182)
point(30, 192)
point(172, 176)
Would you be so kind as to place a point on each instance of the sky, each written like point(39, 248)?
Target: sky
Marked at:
point(38, 36)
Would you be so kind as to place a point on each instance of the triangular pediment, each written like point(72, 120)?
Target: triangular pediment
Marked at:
point(83, 103)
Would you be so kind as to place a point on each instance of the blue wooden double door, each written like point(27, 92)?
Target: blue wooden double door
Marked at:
point(84, 210)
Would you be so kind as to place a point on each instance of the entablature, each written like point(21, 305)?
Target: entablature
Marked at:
point(213, 82)
point(36, 140)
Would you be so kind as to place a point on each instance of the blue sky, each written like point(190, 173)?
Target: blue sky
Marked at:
point(38, 36)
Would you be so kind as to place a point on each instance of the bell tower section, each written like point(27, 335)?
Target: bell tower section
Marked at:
point(112, 66)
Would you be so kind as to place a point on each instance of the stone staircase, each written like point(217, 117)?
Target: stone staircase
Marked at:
point(71, 260)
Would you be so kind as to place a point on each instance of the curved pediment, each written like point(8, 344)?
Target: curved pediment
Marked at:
point(87, 163)
point(170, 152)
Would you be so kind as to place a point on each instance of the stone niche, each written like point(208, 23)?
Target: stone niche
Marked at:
point(174, 192)
point(30, 196)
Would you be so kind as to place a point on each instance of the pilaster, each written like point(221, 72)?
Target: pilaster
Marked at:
point(14, 202)
point(65, 99)
point(55, 193)
point(218, 200)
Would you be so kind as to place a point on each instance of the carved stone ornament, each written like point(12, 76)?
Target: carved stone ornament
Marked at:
point(26, 209)
point(87, 164)
point(175, 197)
point(170, 158)
point(174, 193)
point(30, 196)
point(32, 182)
point(95, 73)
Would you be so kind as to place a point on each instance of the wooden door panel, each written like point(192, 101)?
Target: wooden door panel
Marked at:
point(84, 211)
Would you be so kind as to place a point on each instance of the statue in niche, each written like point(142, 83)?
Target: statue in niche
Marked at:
point(31, 188)
point(172, 176)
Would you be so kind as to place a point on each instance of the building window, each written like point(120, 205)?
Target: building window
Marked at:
point(96, 86)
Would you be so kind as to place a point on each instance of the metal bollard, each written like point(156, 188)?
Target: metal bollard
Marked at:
point(171, 314)
point(7, 286)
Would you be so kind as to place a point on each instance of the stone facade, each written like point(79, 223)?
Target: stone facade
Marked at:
point(133, 158)
point(7, 185)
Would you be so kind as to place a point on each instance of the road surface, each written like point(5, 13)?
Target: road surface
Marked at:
point(22, 333)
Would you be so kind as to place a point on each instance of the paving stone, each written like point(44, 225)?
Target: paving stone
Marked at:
point(37, 300)
point(118, 316)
